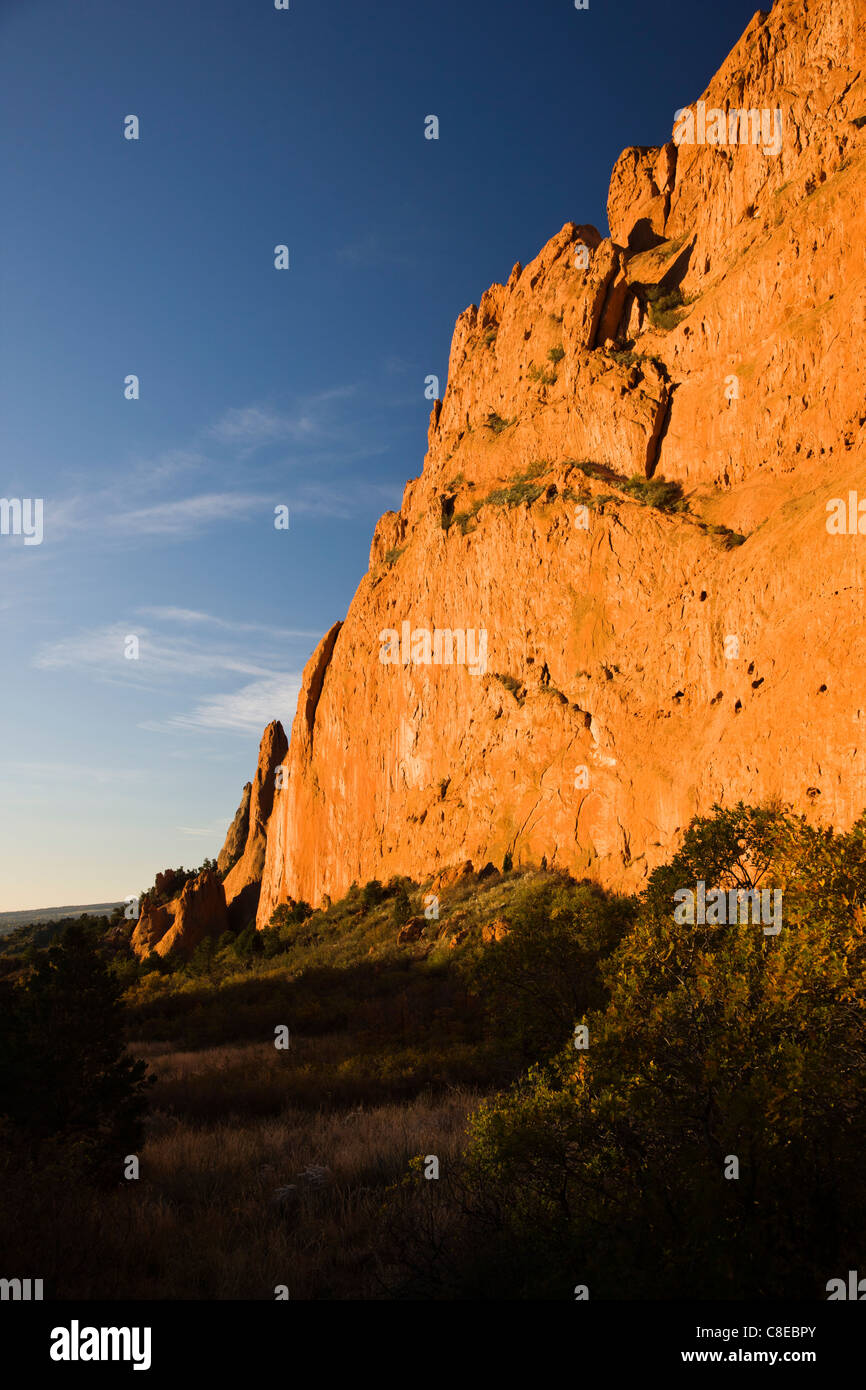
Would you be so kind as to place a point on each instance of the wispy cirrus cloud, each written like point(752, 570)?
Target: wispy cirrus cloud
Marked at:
point(253, 426)
point(342, 501)
point(246, 710)
point(172, 665)
point(192, 617)
point(189, 514)
point(100, 652)
point(214, 831)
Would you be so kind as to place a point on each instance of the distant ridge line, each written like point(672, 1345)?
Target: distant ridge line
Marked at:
point(34, 916)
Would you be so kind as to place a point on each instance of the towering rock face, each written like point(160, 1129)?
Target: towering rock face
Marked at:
point(243, 881)
point(616, 668)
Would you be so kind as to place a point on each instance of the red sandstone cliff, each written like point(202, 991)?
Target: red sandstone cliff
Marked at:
point(637, 669)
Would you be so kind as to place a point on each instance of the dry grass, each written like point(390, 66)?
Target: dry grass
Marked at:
point(389, 1054)
point(204, 1220)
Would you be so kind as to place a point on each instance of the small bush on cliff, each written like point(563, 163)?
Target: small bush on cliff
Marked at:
point(656, 492)
point(522, 490)
point(664, 305)
point(516, 495)
point(496, 423)
point(589, 469)
point(727, 538)
point(540, 375)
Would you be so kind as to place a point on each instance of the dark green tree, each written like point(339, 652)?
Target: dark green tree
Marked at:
point(69, 1093)
point(401, 910)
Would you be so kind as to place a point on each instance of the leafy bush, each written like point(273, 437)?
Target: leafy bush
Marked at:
point(372, 894)
point(627, 357)
point(521, 491)
point(545, 976)
point(515, 495)
point(465, 519)
point(655, 492)
point(556, 354)
point(290, 914)
point(613, 1164)
point(729, 539)
point(540, 375)
point(496, 423)
point(401, 910)
point(664, 305)
point(588, 468)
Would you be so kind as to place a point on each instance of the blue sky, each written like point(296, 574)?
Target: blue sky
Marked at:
point(258, 387)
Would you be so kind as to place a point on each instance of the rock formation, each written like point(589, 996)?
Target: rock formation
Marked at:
point(243, 881)
point(238, 832)
point(184, 923)
point(615, 667)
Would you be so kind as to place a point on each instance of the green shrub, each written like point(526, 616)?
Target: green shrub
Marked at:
point(70, 1095)
point(520, 491)
point(540, 375)
point(709, 1042)
point(465, 519)
point(496, 423)
point(656, 492)
point(588, 468)
point(556, 354)
point(372, 894)
point(515, 495)
point(248, 943)
point(664, 305)
point(729, 539)
point(401, 909)
point(290, 914)
point(545, 976)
